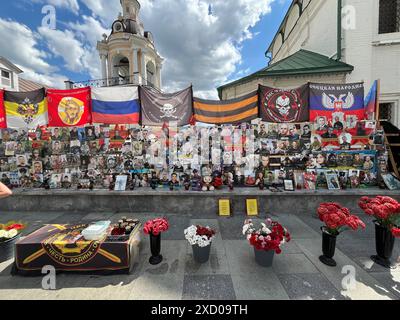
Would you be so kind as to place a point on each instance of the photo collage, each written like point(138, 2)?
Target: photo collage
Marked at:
point(288, 156)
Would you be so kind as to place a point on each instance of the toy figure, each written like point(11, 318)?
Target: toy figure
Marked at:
point(196, 181)
point(217, 180)
point(207, 186)
point(164, 180)
point(154, 181)
point(230, 180)
point(260, 180)
point(250, 181)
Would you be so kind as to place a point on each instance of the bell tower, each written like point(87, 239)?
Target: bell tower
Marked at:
point(128, 54)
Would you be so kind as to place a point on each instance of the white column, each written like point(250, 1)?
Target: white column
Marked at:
point(103, 59)
point(144, 72)
point(158, 75)
point(136, 66)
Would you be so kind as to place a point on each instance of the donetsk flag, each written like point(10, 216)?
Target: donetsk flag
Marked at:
point(115, 105)
point(243, 109)
point(26, 109)
point(331, 101)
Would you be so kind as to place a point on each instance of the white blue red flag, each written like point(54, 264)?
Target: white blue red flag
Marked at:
point(116, 105)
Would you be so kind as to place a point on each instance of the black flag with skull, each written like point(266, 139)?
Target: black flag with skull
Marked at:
point(284, 105)
point(159, 108)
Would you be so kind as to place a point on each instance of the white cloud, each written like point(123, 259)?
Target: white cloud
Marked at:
point(199, 48)
point(64, 44)
point(106, 10)
point(53, 80)
point(20, 46)
point(71, 5)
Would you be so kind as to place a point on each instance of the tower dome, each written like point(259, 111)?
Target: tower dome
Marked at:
point(130, 9)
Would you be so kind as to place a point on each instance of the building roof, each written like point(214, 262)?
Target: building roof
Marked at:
point(28, 85)
point(11, 65)
point(302, 62)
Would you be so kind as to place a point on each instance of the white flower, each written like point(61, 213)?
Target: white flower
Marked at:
point(3, 234)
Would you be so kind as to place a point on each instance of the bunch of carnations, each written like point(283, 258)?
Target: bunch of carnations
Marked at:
point(156, 226)
point(10, 230)
point(199, 235)
point(385, 209)
point(338, 218)
point(270, 236)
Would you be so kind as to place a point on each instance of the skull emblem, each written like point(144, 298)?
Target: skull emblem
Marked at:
point(283, 105)
point(168, 111)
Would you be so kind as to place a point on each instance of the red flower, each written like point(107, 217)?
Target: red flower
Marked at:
point(156, 226)
point(335, 217)
point(396, 232)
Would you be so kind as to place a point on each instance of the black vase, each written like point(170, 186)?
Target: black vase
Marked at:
point(328, 248)
point(155, 248)
point(7, 248)
point(384, 240)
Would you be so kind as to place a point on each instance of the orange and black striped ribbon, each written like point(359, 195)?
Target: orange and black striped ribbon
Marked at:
point(243, 109)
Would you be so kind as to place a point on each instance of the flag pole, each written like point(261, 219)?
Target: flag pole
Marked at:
point(377, 108)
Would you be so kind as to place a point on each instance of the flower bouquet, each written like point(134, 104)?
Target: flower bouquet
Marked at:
point(154, 228)
point(386, 210)
point(337, 219)
point(266, 240)
point(200, 238)
point(9, 234)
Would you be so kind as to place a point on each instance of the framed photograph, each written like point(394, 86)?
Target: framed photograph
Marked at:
point(120, 183)
point(288, 185)
point(333, 181)
point(391, 181)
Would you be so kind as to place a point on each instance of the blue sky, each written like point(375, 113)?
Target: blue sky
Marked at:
point(205, 50)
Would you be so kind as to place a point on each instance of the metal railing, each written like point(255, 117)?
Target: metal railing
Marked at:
point(135, 79)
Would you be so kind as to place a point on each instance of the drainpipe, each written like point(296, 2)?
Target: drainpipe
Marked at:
point(339, 30)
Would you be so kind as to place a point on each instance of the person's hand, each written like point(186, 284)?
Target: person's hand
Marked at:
point(4, 191)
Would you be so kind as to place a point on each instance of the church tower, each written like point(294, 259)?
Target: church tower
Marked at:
point(128, 55)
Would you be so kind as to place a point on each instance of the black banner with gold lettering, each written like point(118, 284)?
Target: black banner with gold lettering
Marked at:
point(63, 247)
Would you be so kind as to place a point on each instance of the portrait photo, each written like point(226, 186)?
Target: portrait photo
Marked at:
point(332, 181)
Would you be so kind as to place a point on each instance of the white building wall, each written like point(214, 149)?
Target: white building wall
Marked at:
point(315, 30)
point(14, 85)
point(374, 56)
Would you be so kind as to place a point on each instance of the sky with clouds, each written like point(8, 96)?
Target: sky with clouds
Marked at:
point(206, 43)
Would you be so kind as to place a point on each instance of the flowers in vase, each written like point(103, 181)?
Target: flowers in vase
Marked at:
point(271, 235)
point(156, 226)
point(10, 230)
point(338, 218)
point(199, 235)
point(385, 209)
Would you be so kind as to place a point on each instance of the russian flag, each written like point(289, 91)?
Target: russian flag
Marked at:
point(371, 99)
point(116, 105)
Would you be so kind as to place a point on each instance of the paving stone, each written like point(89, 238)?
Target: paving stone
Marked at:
point(293, 263)
point(157, 287)
point(265, 286)
point(390, 279)
point(309, 287)
point(365, 286)
point(206, 287)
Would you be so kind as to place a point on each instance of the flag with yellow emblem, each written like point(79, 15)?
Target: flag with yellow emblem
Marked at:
point(25, 109)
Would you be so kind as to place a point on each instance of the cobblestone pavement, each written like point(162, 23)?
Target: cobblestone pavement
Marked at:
point(231, 272)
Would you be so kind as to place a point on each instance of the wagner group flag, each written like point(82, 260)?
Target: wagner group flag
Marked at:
point(3, 123)
point(284, 105)
point(159, 108)
point(25, 109)
point(243, 109)
point(68, 108)
point(115, 105)
point(337, 101)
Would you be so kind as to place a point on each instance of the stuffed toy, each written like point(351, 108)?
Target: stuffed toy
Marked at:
point(207, 183)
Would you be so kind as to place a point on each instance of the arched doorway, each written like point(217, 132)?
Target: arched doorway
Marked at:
point(121, 70)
